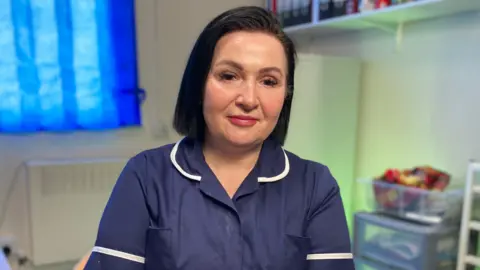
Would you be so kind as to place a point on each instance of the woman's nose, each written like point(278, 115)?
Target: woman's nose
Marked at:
point(248, 98)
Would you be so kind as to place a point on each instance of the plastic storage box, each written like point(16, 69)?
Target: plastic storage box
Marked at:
point(419, 205)
point(404, 245)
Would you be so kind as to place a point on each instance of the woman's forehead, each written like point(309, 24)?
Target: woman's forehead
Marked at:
point(250, 49)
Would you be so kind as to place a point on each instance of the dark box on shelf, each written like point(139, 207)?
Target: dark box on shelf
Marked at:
point(325, 9)
point(337, 8)
point(296, 16)
point(344, 7)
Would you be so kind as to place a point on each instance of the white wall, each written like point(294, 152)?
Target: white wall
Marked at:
point(422, 106)
point(323, 122)
point(166, 32)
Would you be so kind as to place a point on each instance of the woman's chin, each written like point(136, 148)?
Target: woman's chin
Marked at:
point(238, 140)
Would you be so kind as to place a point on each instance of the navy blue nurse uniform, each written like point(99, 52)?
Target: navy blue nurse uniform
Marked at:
point(168, 211)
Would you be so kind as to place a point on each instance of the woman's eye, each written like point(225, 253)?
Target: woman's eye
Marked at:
point(227, 77)
point(270, 82)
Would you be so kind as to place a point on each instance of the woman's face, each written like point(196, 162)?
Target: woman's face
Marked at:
point(245, 89)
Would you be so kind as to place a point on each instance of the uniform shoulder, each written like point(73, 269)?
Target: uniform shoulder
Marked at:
point(306, 164)
point(153, 156)
point(313, 172)
point(153, 152)
point(315, 179)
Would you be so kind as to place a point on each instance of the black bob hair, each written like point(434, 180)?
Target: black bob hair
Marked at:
point(188, 119)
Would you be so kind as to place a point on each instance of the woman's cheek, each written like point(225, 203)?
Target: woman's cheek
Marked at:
point(273, 106)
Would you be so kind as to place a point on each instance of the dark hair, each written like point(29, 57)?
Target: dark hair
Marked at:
point(188, 119)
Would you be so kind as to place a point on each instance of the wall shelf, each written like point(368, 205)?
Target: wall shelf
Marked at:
point(387, 18)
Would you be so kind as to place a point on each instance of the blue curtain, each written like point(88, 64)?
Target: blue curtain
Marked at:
point(67, 65)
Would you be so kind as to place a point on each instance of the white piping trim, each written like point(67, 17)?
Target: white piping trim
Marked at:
point(282, 175)
point(329, 256)
point(173, 155)
point(119, 254)
point(177, 166)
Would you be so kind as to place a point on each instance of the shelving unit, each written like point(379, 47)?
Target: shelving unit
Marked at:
point(468, 222)
point(389, 18)
point(400, 35)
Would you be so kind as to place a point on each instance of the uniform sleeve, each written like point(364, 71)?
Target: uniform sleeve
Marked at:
point(330, 247)
point(120, 242)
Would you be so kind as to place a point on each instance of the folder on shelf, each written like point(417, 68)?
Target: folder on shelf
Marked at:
point(294, 12)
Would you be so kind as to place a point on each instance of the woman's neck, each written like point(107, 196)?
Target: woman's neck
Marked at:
point(220, 155)
point(230, 164)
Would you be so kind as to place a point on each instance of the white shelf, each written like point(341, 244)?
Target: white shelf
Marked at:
point(474, 225)
point(387, 18)
point(473, 260)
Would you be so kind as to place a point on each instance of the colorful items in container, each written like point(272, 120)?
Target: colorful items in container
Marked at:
point(404, 190)
point(423, 177)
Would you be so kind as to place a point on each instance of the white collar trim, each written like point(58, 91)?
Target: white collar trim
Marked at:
point(173, 158)
point(173, 155)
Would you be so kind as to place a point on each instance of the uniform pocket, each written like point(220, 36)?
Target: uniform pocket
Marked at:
point(158, 254)
point(296, 251)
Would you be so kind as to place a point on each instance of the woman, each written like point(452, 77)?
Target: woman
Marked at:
point(227, 196)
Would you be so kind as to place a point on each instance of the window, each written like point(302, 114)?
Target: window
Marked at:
point(67, 65)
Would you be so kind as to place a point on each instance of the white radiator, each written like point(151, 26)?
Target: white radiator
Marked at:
point(66, 201)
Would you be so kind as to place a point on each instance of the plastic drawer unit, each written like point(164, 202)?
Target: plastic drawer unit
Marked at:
point(364, 264)
point(403, 245)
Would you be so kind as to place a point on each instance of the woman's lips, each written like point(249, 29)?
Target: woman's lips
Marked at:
point(242, 121)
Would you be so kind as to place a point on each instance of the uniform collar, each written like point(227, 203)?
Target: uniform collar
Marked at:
point(187, 157)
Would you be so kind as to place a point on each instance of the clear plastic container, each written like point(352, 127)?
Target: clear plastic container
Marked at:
point(419, 205)
point(400, 244)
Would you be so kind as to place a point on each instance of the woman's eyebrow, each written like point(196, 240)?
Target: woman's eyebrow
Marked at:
point(239, 66)
point(270, 69)
point(229, 63)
